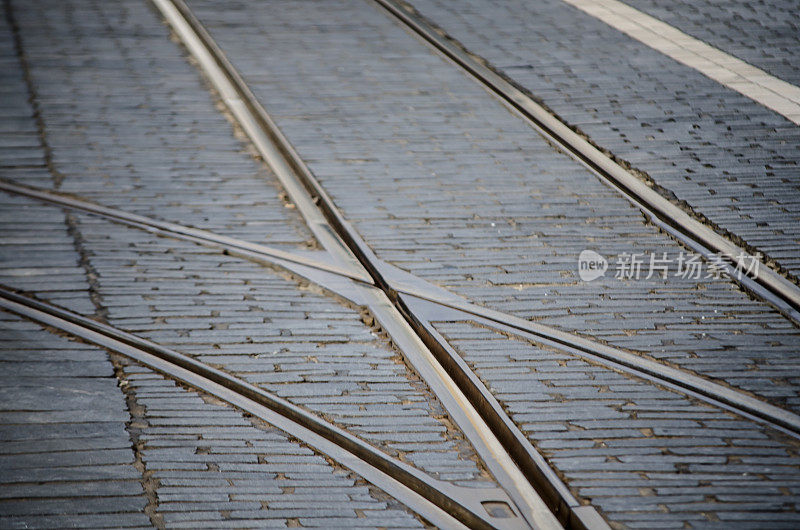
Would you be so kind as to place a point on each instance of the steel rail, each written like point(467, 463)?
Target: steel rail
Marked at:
point(283, 157)
point(384, 278)
point(342, 242)
point(577, 516)
point(682, 381)
point(447, 306)
point(196, 235)
point(436, 500)
point(767, 283)
point(702, 387)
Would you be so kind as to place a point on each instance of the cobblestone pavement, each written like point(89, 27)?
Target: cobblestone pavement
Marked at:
point(218, 469)
point(272, 480)
point(296, 340)
point(313, 349)
point(732, 160)
point(284, 337)
point(68, 461)
point(443, 181)
point(129, 123)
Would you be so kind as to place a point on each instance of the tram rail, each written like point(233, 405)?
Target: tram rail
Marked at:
point(440, 502)
point(406, 307)
point(426, 303)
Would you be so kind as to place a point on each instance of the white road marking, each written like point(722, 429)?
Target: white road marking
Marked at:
point(758, 85)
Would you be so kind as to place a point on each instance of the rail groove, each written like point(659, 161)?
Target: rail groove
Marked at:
point(428, 303)
point(441, 305)
point(766, 282)
point(530, 462)
point(406, 306)
point(196, 235)
point(344, 245)
point(395, 283)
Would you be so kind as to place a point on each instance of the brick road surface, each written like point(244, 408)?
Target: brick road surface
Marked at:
point(646, 456)
point(68, 460)
point(443, 181)
point(65, 455)
point(285, 337)
point(293, 339)
point(159, 414)
point(234, 314)
point(217, 469)
point(130, 123)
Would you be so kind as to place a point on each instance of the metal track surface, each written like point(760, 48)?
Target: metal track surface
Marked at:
point(406, 307)
point(229, 245)
point(394, 283)
point(259, 124)
point(768, 284)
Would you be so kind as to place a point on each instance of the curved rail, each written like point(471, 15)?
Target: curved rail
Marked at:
point(441, 304)
point(440, 502)
point(538, 509)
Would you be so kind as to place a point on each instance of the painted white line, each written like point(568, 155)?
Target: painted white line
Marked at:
point(756, 84)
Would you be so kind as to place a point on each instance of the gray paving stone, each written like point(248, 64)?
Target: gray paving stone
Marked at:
point(72, 489)
point(118, 91)
point(762, 34)
point(132, 520)
point(253, 322)
point(346, 366)
point(63, 466)
point(286, 480)
point(42, 256)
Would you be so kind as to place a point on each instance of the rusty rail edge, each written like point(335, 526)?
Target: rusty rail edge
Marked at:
point(768, 284)
point(292, 174)
point(680, 381)
point(698, 386)
point(546, 481)
point(413, 290)
point(690, 382)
